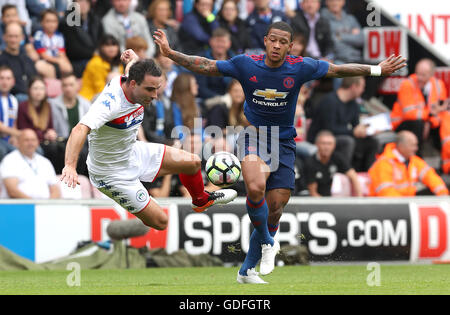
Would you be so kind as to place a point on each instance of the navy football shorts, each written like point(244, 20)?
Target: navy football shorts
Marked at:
point(278, 154)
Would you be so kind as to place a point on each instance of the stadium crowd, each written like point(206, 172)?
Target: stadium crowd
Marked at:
point(56, 57)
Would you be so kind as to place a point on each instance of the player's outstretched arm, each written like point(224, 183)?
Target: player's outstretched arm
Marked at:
point(384, 68)
point(73, 148)
point(200, 65)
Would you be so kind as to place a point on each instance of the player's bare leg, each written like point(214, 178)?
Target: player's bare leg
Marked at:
point(187, 166)
point(277, 199)
point(153, 216)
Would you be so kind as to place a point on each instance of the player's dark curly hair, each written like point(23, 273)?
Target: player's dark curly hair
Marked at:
point(283, 26)
point(141, 68)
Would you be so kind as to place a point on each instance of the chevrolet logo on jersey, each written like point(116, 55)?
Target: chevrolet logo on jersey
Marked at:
point(270, 94)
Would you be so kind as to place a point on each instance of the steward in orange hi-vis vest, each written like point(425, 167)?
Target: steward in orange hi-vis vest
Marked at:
point(411, 103)
point(445, 140)
point(391, 176)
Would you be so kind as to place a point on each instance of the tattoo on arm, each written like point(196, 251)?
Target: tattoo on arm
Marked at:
point(347, 70)
point(196, 64)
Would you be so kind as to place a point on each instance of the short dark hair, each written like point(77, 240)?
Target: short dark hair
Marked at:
point(283, 26)
point(348, 82)
point(48, 11)
point(220, 32)
point(324, 133)
point(7, 7)
point(143, 67)
point(6, 68)
point(66, 75)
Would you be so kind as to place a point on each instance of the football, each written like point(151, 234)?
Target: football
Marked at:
point(223, 169)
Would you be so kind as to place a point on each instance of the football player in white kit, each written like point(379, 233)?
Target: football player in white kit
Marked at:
point(117, 162)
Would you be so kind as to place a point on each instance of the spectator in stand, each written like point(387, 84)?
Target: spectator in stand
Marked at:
point(170, 69)
point(289, 7)
point(36, 114)
point(242, 7)
point(228, 110)
point(229, 20)
point(37, 7)
point(81, 40)
point(26, 174)
point(24, 17)
point(160, 119)
point(49, 43)
point(197, 27)
point(210, 87)
point(259, 20)
point(303, 148)
point(185, 90)
point(122, 22)
point(299, 43)
point(398, 169)
point(10, 14)
point(101, 68)
point(316, 28)
point(321, 167)
point(138, 45)
point(348, 38)
point(159, 16)
point(22, 66)
point(417, 95)
point(8, 112)
point(67, 110)
point(339, 112)
point(444, 132)
point(101, 7)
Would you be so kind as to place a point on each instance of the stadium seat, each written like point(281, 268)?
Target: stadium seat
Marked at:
point(342, 186)
point(82, 191)
point(54, 87)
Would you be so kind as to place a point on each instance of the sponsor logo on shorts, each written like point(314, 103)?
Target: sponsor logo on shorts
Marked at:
point(141, 195)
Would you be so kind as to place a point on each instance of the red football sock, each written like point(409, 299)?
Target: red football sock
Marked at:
point(194, 184)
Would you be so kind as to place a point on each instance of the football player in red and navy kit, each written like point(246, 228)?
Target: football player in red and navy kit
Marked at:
point(271, 83)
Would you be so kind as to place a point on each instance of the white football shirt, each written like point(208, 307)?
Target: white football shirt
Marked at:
point(35, 175)
point(114, 123)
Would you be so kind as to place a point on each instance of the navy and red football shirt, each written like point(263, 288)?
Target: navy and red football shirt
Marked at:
point(271, 93)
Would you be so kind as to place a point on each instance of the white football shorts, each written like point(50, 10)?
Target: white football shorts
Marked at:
point(125, 186)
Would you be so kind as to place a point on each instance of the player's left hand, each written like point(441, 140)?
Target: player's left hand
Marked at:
point(69, 176)
point(392, 64)
point(128, 55)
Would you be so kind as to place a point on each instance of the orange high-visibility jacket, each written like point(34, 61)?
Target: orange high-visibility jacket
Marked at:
point(389, 176)
point(445, 140)
point(411, 104)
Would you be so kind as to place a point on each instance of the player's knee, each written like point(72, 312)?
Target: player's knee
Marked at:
point(196, 163)
point(256, 190)
point(162, 223)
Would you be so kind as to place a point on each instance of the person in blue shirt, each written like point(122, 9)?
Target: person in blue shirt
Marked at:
point(271, 84)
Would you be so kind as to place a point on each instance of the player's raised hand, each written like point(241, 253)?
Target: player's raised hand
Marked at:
point(69, 176)
point(392, 64)
point(161, 40)
point(128, 55)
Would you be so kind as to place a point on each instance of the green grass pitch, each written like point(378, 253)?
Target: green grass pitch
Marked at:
point(395, 279)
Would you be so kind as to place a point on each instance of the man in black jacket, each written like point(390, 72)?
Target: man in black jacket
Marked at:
point(315, 28)
point(81, 40)
point(338, 112)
